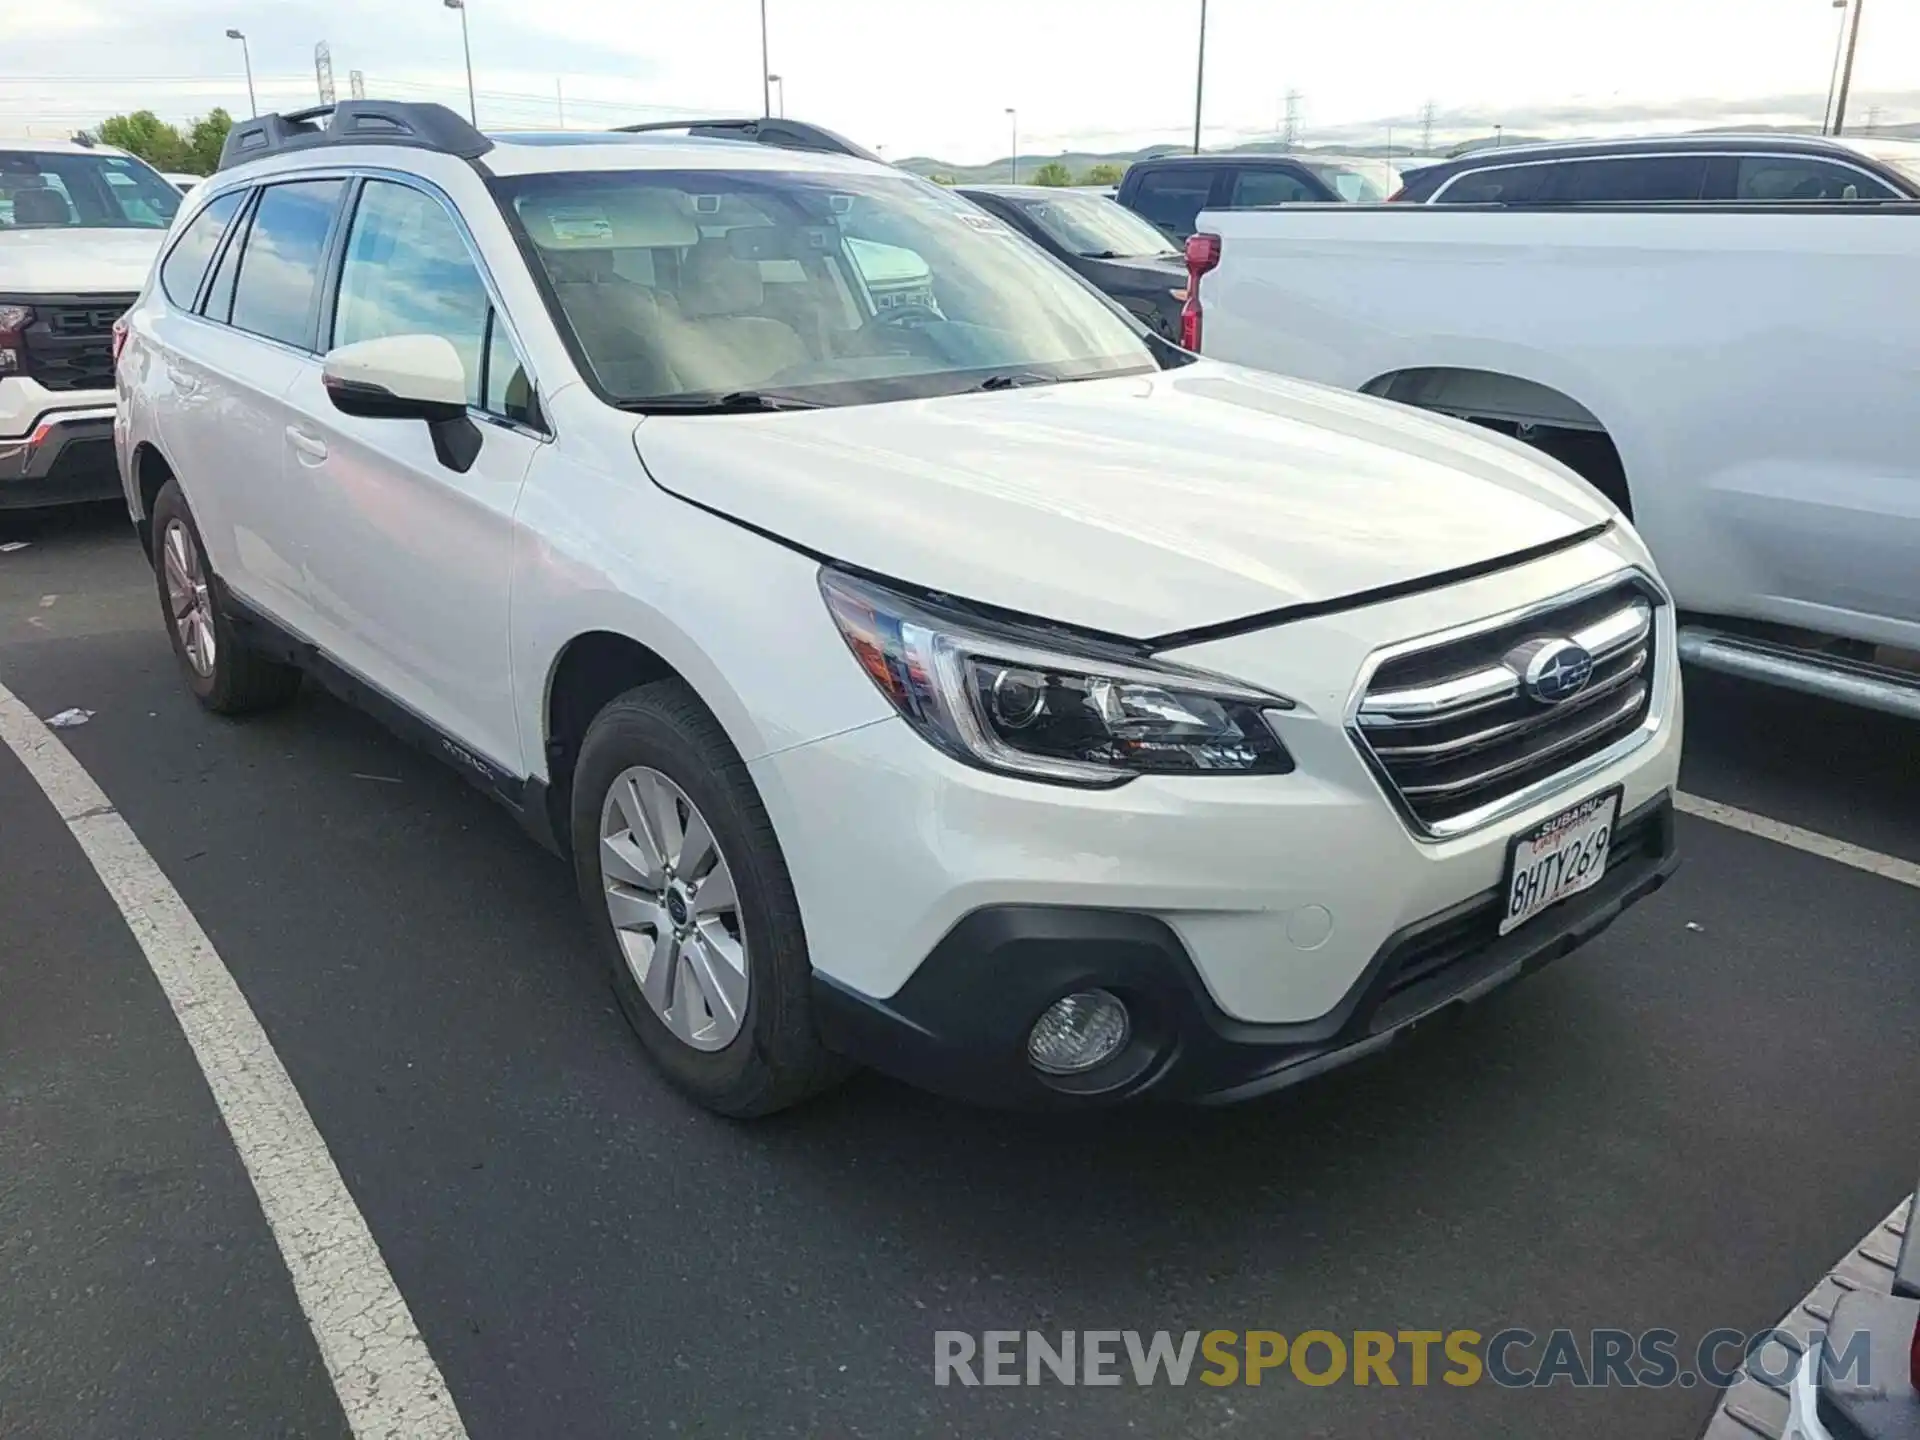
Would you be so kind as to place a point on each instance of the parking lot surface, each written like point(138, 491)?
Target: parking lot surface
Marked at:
point(1680, 1126)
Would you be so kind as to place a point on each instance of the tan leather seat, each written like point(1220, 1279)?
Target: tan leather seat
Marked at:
point(721, 342)
point(619, 324)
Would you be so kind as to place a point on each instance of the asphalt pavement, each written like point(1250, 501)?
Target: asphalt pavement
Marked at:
point(1680, 1126)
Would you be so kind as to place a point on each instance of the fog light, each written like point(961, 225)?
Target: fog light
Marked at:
point(1075, 1034)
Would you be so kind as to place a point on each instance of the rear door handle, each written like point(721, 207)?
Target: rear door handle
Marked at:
point(310, 446)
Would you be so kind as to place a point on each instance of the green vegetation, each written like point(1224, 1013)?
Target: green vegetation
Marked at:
point(1053, 173)
point(194, 151)
point(1103, 175)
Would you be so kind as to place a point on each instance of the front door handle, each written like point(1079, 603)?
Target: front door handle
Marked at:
point(312, 447)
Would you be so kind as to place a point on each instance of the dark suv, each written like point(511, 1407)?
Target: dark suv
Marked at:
point(1113, 249)
point(1171, 190)
point(1749, 169)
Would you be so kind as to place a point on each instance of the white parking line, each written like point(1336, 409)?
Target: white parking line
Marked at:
point(1891, 867)
point(387, 1382)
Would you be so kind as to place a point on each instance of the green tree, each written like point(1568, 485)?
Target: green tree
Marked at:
point(1103, 175)
point(145, 134)
point(205, 140)
point(941, 177)
point(1053, 173)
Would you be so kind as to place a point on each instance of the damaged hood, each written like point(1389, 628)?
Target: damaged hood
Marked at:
point(1138, 506)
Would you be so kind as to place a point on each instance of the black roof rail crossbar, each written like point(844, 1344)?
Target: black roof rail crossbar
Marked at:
point(424, 126)
point(767, 130)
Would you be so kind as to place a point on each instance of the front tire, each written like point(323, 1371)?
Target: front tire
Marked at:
point(690, 900)
point(224, 674)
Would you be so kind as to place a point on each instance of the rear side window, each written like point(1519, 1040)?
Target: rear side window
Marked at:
point(1270, 187)
point(1639, 178)
point(184, 266)
point(1500, 185)
point(219, 302)
point(1797, 177)
point(1173, 199)
point(280, 267)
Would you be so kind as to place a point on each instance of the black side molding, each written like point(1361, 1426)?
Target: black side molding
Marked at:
point(527, 798)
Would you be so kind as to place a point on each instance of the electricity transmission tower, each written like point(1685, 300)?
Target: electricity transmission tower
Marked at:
point(323, 72)
point(356, 85)
point(1426, 127)
point(1290, 132)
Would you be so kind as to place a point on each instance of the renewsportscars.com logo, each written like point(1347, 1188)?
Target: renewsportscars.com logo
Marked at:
point(1512, 1358)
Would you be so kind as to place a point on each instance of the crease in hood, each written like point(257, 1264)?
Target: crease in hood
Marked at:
point(1137, 506)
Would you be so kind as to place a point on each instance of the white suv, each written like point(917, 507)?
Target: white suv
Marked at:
point(79, 226)
point(971, 685)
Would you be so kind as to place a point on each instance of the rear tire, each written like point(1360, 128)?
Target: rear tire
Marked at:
point(223, 672)
point(709, 959)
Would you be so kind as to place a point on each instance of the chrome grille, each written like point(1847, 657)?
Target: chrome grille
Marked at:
point(1458, 727)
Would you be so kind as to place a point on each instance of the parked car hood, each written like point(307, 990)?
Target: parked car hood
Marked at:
point(1147, 269)
point(76, 260)
point(1139, 505)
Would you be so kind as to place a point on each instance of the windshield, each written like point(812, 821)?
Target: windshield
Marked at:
point(1360, 182)
point(833, 289)
point(51, 190)
point(1091, 225)
point(1903, 157)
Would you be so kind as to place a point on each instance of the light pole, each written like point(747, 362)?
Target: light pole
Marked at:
point(1499, 136)
point(766, 75)
point(473, 110)
point(1200, 77)
point(1013, 158)
point(246, 57)
point(1833, 73)
point(776, 80)
point(1846, 68)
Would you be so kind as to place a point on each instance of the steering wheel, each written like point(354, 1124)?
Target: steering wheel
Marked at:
point(908, 317)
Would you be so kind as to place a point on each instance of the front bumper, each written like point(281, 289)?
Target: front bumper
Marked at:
point(959, 1025)
point(67, 456)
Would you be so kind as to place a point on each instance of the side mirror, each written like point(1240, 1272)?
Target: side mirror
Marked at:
point(407, 377)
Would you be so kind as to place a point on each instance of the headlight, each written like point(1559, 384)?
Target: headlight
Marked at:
point(1020, 700)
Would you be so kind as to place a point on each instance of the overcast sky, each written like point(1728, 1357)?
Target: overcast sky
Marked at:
point(935, 76)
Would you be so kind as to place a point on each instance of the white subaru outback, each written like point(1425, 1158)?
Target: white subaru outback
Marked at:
point(922, 665)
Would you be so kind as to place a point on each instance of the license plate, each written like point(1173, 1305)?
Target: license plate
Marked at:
point(1561, 857)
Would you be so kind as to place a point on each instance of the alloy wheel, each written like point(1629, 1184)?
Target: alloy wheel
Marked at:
point(189, 599)
point(675, 912)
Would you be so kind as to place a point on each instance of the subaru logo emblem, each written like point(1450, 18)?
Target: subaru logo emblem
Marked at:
point(1557, 671)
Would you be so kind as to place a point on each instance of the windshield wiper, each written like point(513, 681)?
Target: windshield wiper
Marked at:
point(1132, 255)
point(736, 402)
point(1016, 379)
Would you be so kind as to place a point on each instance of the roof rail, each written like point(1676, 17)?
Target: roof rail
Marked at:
point(354, 122)
point(778, 131)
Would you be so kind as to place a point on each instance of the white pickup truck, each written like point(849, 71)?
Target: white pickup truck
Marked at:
point(1744, 381)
